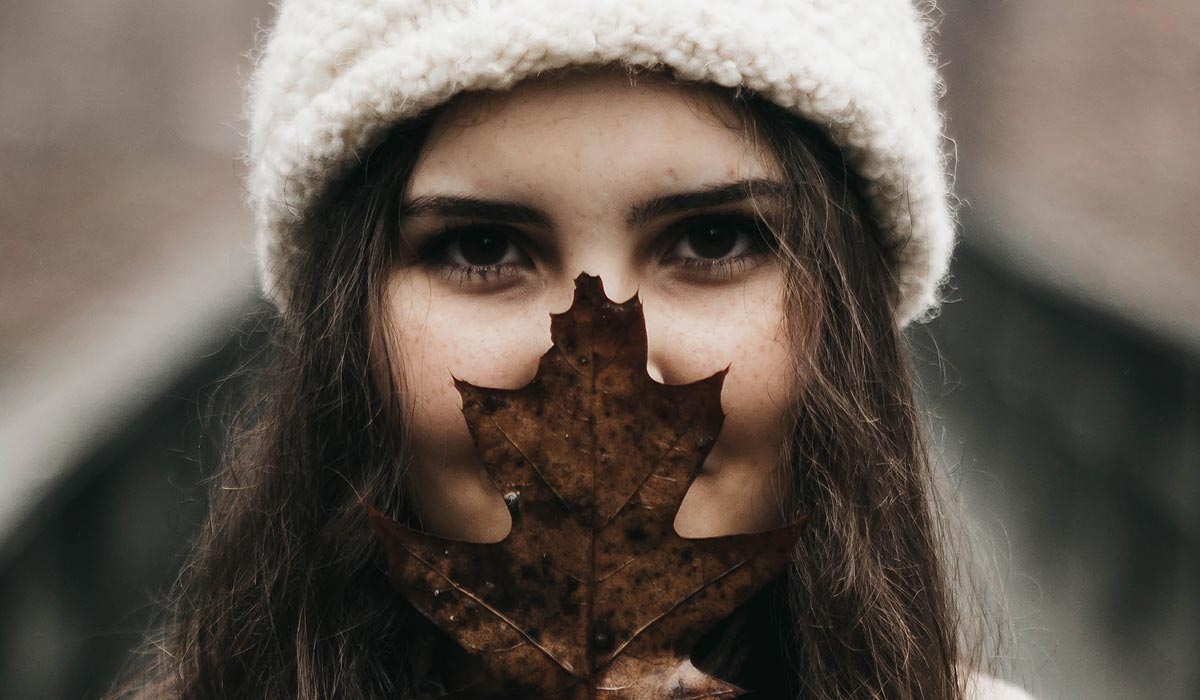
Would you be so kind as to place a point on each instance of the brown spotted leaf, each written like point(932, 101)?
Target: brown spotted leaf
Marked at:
point(592, 594)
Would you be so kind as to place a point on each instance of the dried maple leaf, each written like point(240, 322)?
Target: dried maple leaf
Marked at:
point(592, 594)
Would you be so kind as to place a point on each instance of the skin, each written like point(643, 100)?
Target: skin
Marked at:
point(583, 151)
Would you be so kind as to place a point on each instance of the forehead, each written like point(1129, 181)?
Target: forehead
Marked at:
point(590, 125)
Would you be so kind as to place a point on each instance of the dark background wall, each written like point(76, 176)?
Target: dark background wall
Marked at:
point(79, 582)
point(1075, 438)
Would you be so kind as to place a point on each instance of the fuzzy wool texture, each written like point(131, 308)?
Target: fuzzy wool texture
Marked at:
point(336, 74)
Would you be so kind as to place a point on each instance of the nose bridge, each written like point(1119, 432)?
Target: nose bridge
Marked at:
point(620, 273)
point(613, 264)
point(620, 277)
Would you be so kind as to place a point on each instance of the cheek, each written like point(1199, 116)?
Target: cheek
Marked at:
point(746, 332)
point(437, 338)
point(742, 485)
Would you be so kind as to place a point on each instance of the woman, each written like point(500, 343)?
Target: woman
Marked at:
point(430, 178)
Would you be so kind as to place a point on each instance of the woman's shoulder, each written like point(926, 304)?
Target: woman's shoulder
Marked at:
point(985, 687)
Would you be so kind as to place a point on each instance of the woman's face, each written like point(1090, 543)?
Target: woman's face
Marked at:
point(515, 195)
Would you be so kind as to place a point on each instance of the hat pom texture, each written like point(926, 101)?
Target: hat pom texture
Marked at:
point(334, 75)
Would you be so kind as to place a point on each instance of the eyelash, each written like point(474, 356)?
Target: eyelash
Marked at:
point(761, 240)
point(462, 274)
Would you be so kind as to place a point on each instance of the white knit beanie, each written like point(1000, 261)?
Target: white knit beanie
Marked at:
point(336, 74)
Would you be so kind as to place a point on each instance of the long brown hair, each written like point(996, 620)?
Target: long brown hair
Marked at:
point(285, 594)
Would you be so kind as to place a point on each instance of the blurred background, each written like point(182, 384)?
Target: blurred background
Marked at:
point(1062, 379)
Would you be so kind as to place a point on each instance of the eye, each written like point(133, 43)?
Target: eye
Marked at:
point(482, 247)
point(716, 242)
point(713, 240)
point(464, 253)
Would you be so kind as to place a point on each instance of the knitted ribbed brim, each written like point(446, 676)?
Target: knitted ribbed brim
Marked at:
point(336, 74)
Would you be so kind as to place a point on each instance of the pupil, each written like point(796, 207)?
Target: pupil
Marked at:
point(714, 242)
point(482, 249)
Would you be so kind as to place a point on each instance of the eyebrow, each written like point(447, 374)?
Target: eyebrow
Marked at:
point(470, 207)
point(705, 198)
